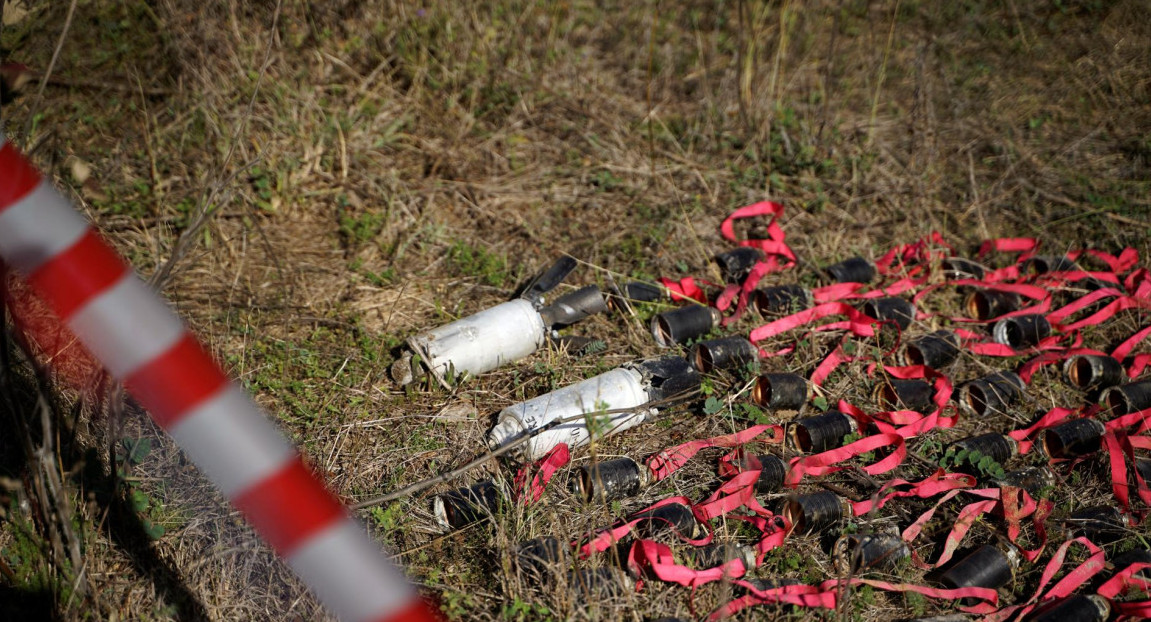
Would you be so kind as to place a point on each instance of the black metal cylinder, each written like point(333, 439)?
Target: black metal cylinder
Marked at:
point(718, 554)
point(772, 470)
point(821, 432)
point(609, 480)
point(984, 304)
point(987, 566)
point(1071, 439)
point(667, 376)
point(890, 309)
point(462, 507)
point(1143, 467)
point(638, 291)
point(780, 391)
point(725, 353)
point(735, 264)
point(573, 307)
point(683, 324)
point(1031, 479)
point(908, 394)
point(1102, 524)
point(992, 393)
point(962, 268)
point(854, 270)
point(667, 521)
point(599, 583)
point(537, 558)
point(1021, 331)
point(780, 299)
point(1042, 264)
point(855, 553)
point(1001, 448)
point(936, 350)
point(1077, 608)
point(1092, 371)
point(1128, 398)
point(814, 512)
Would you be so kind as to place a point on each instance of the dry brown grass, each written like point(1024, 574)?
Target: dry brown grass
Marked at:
point(403, 164)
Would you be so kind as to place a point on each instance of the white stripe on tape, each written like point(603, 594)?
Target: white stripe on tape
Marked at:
point(348, 570)
point(232, 441)
point(37, 228)
point(126, 326)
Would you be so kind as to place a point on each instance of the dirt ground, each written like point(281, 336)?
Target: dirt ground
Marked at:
point(310, 183)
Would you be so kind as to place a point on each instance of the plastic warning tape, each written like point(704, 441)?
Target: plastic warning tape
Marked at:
point(142, 343)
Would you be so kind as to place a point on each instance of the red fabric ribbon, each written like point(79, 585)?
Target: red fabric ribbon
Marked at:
point(544, 469)
point(670, 460)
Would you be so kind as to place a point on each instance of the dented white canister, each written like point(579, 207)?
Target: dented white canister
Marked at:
point(482, 342)
point(619, 388)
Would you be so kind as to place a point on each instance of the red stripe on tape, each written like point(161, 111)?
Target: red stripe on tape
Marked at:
point(289, 506)
point(77, 275)
point(418, 611)
point(19, 177)
point(171, 384)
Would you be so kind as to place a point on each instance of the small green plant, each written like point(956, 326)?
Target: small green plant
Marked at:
point(360, 228)
point(490, 268)
point(984, 465)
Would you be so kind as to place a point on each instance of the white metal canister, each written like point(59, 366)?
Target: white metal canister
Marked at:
point(619, 388)
point(482, 342)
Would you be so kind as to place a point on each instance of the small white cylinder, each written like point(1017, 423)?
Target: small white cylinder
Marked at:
point(482, 342)
point(616, 389)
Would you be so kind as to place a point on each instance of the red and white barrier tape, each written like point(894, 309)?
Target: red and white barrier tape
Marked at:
point(143, 343)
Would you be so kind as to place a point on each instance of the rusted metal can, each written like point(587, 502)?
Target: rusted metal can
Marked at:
point(815, 512)
point(955, 268)
point(935, 350)
point(780, 391)
point(772, 471)
point(667, 522)
point(987, 566)
point(984, 304)
point(1077, 608)
point(1072, 439)
point(853, 270)
point(462, 507)
point(1102, 524)
point(1092, 371)
point(539, 558)
point(993, 393)
point(819, 433)
point(725, 353)
point(1021, 331)
point(781, 299)
point(737, 263)
point(907, 394)
point(1031, 479)
point(1001, 448)
point(1128, 398)
point(856, 553)
point(890, 309)
point(609, 480)
point(684, 324)
point(718, 554)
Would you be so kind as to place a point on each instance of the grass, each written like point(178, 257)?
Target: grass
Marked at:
point(405, 164)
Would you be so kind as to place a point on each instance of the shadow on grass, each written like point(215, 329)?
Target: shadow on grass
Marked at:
point(123, 526)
